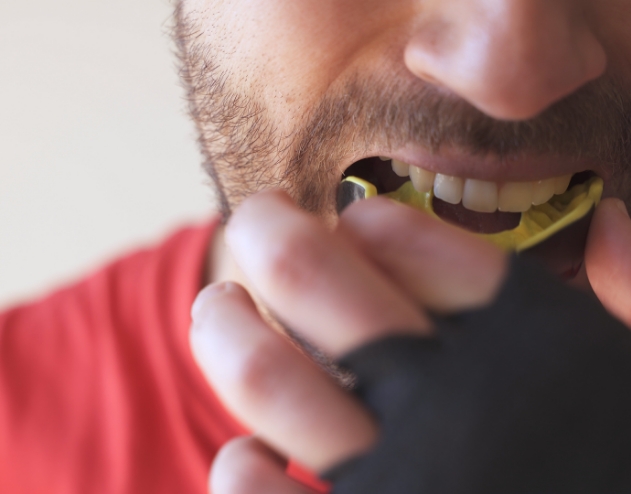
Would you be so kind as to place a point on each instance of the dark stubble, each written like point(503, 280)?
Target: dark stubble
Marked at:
point(244, 152)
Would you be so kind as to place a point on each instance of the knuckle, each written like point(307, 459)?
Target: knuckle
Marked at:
point(295, 261)
point(259, 374)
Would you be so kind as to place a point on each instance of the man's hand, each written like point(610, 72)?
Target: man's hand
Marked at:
point(608, 258)
point(375, 276)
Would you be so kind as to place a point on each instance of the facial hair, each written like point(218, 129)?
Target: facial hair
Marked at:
point(245, 152)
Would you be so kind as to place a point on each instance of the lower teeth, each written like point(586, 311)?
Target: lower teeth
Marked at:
point(536, 225)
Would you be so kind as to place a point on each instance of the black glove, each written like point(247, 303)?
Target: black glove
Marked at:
point(529, 395)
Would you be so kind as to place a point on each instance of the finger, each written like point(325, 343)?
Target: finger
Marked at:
point(608, 258)
point(273, 388)
point(314, 280)
point(445, 268)
point(247, 466)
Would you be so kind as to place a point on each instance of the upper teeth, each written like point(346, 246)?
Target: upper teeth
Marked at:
point(480, 195)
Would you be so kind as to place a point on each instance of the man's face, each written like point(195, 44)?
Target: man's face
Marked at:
point(291, 93)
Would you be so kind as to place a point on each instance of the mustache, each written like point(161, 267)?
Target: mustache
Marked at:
point(594, 122)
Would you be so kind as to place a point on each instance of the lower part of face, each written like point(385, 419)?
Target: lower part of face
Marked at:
point(288, 106)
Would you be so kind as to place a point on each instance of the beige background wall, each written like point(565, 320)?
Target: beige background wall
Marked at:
point(96, 152)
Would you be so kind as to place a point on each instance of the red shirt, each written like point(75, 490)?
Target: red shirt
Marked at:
point(99, 392)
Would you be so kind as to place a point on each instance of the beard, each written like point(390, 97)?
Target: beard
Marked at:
point(245, 152)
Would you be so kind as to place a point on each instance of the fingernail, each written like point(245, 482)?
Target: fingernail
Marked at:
point(622, 207)
point(206, 294)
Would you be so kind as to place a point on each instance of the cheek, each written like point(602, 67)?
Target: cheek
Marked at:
point(288, 52)
point(613, 19)
point(300, 45)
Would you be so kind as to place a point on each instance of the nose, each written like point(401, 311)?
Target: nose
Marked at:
point(510, 58)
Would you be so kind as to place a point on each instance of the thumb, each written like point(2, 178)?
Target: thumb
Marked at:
point(608, 258)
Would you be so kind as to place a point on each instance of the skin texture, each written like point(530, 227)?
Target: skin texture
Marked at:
point(289, 94)
point(351, 301)
point(608, 259)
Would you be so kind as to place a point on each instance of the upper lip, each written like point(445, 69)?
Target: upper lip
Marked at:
point(520, 168)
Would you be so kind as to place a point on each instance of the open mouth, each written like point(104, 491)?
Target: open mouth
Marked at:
point(516, 216)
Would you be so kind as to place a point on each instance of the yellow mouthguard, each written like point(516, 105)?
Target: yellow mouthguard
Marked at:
point(536, 225)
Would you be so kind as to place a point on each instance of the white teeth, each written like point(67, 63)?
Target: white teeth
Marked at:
point(422, 180)
point(448, 188)
point(543, 190)
point(561, 183)
point(400, 168)
point(480, 196)
point(515, 197)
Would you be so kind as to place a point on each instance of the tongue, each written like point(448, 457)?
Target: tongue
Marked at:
point(475, 222)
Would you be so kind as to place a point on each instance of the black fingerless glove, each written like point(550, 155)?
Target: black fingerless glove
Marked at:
point(529, 395)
